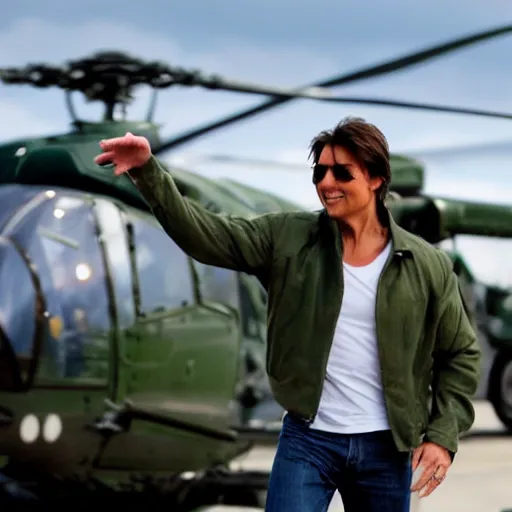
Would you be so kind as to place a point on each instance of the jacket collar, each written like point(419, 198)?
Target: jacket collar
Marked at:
point(401, 238)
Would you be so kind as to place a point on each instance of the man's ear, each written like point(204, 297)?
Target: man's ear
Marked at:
point(376, 183)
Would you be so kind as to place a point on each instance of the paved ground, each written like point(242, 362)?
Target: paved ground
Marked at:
point(479, 481)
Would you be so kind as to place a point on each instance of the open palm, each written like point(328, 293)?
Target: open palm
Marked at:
point(124, 153)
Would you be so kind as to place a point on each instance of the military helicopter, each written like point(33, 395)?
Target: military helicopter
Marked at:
point(120, 356)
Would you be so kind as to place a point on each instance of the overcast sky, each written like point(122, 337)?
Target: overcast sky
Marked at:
point(285, 43)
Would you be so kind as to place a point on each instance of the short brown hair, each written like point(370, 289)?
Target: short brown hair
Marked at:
point(365, 141)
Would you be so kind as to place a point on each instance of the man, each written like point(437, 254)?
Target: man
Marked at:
point(370, 350)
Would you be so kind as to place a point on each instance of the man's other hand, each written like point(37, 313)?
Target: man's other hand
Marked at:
point(433, 461)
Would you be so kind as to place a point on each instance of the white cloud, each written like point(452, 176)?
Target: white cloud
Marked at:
point(18, 121)
point(232, 58)
point(60, 42)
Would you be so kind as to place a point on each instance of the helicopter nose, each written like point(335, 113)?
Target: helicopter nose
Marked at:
point(20, 316)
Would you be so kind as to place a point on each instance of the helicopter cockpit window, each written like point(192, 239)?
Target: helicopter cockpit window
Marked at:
point(60, 238)
point(118, 256)
point(217, 284)
point(165, 277)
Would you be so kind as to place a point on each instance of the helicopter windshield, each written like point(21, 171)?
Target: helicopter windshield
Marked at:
point(18, 315)
point(60, 238)
point(11, 198)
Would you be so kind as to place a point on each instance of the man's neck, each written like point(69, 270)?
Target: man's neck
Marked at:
point(364, 238)
point(363, 228)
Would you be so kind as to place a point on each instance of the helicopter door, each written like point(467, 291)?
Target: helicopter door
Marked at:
point(220, 286)
point(186, 355)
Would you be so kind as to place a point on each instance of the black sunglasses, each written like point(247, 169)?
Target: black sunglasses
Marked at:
point(340, 172)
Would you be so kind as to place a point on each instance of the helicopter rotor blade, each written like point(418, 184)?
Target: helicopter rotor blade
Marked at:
point(324, 94)
point(415, 106)
point(371, 72)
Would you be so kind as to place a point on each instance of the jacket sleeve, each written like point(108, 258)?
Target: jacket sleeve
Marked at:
point(456, 368)
point(236, 243)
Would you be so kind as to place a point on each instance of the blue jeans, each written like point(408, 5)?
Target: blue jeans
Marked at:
point(367, 469)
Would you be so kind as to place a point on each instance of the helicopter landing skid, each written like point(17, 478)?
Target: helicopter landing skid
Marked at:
point(179, 493)
point(225, 487)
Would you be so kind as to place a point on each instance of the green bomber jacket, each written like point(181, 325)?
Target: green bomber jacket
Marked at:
point(428, 349)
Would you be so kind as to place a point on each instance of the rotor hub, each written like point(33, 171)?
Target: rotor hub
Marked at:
point(107, 76)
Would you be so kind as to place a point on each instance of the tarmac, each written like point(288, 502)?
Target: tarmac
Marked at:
point(480, 479)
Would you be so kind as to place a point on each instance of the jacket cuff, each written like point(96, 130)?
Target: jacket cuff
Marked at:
point(447, 442)
point(145, 178)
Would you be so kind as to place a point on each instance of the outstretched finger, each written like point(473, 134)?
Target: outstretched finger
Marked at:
point(105, 158)
point(116, 142)
point(425, 476)
point(436, 480)
point(430, 486)
point(416, 457)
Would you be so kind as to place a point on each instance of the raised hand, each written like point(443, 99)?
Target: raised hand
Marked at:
point(124, 153)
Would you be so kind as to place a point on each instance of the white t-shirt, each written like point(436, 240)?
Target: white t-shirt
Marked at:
point(352, 397)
